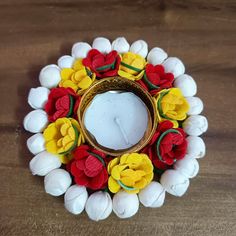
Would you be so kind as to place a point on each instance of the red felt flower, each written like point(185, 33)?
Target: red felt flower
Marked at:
point(104, 65)
point(62, 102)
point(89, 167)
point(155, 79)
point(167, 145)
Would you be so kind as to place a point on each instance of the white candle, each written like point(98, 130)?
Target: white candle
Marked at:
point(117, 120)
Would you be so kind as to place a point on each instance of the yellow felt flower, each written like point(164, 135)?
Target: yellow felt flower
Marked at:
point(132, 66)
point(130, 172)
point(79, 77)
point(62, 136)
point(171, 105)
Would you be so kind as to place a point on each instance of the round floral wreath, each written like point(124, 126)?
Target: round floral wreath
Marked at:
point(170, 157)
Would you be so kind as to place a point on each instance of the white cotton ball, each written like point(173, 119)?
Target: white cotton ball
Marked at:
point(80, 50)
point(195, 125)
point(188, 167)
point(38, 97)
point(195, 105)
point(43, 163)
point(99, 206)
point(35, 121)
point(120, 44)
point(174, 65)
point(139, 47)
point(50, 76)
point(125, 204)
point(156, 56)
point(174, 182)
point(186, 84)
point(75, 199)
point(152, 195)
point(65, 61)
point(196, 147)
point(35, 143)
point(102, 44)
point(56, 182)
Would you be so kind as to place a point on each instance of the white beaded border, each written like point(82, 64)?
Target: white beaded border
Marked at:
point(58, 181)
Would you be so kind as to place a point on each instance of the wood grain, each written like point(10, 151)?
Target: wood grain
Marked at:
point(201, 33)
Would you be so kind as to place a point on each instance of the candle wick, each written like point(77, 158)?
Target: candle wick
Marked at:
point(117, 121)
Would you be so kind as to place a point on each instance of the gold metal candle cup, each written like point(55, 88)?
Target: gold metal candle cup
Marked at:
point(119, 84)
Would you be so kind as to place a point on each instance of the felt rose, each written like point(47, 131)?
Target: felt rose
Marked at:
point(62, 102)
point(167, 145)
point(155, 79)
point(89, 167)
point(132, 66)
point(171, 105)
point(103, 65)
point(130, 172)
point(62, 136)
point(79, 78)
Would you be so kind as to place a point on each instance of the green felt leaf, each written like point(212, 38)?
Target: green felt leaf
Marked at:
point(124, 186)
point(148, 83)
point(98, 157)
point(160, 138)
point(130, 67)
point(71, 106)
point(106, 66)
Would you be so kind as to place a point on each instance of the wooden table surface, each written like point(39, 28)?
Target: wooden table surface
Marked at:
point(201, 33)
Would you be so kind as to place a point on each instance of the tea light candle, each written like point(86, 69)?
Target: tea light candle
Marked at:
point(116, 119)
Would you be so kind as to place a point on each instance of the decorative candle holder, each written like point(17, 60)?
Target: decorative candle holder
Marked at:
point(118, 84)
point(114, 125)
